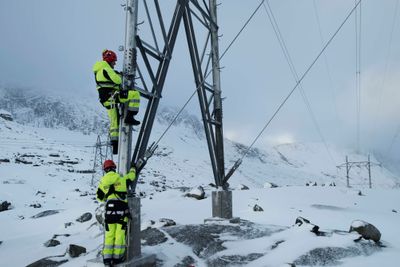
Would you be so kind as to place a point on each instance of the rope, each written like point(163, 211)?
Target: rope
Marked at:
point(297, 84)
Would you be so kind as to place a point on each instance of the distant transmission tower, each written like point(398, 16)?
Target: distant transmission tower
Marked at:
point(103, 151)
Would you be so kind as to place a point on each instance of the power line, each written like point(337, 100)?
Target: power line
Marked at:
point(238, 162)
point(295, 75)
point(328, 71)
point(382, 87)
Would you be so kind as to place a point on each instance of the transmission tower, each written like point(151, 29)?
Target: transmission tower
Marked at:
point(102, 151)
point(147, 70)
point(349, 164)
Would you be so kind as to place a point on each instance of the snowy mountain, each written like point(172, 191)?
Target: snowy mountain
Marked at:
point(34, 108)
point(45, 181)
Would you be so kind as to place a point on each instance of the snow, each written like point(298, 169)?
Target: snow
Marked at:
point(358, 224)
point(181, 164)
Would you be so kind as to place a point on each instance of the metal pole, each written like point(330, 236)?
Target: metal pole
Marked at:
point(129, 69)
point(125, 132)
point(347, 171)
point(369, 172)
point(219, 136)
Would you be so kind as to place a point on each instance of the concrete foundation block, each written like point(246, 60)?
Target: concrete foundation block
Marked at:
point(222, 204)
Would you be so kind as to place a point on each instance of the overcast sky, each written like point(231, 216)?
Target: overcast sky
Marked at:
point(52, 45)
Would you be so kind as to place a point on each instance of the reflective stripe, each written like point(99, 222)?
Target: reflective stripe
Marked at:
point(118, 256)
point(107, 256)
point(133, 108)
point(119, 246)
point(106, 85)
point(114, 199)
point(135, 100)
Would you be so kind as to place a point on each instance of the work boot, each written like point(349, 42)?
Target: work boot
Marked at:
point(114, 144)
point(130, 118)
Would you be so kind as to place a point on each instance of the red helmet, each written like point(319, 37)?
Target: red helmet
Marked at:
point(109, 56)
point(109, 164)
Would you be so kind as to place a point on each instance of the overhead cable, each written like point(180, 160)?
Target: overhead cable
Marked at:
point(289, 60)
point(294, 88)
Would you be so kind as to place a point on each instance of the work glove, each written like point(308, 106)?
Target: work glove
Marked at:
point(123, 94)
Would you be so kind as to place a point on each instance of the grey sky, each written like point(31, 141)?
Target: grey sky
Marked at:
point(52, 45)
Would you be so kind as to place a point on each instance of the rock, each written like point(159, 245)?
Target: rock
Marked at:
point(243, 187)
point(18, 160)
point(46, 262)
point(303, 222)
point(45, 213)
point(197, 193)
point(75, 250)
point(57, 235)
point(393, 210)
point(85, 217)
point(167, 222)
point(40, 192)
point(186, 262)
point(36, 205)
point(366, 230)
point(4, 206)
point(257, 208)
point(152, 237)
point(68, 224)
point(52, 243)
point(6, 115)
point(5, 160)
point(270, 185)
point(1, 242)
point(55, 155)
point(360, 193)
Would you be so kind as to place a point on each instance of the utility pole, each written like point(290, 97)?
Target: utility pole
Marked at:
point(347, 171)
point(133, 246)
point(369, 172)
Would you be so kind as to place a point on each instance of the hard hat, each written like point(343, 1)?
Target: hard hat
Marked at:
point(109, 56)
point(109, 164)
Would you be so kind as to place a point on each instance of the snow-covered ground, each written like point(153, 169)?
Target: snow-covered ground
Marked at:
point(44, 173)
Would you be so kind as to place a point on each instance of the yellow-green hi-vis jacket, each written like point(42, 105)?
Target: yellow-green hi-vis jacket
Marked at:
point(106, 77)
point(112, 186)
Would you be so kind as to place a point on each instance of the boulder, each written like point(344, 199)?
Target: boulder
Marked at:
point(45, 213)
point(4, 206)
point(46, 262)
point(270, 185)
point(152, 237)
point(75, 250)
point(197, 193)
point(303, 222)
point(243, 187)
point(257, 208)
point(366, 230)
point(6, 115)
point(85, 217)
point(52, 243)
point(167, 222)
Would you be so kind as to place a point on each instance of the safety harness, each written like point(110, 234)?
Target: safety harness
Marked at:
point(116, 209)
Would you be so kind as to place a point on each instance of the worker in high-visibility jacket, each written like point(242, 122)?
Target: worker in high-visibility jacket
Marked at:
point(113, 190)
point(108, 83)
